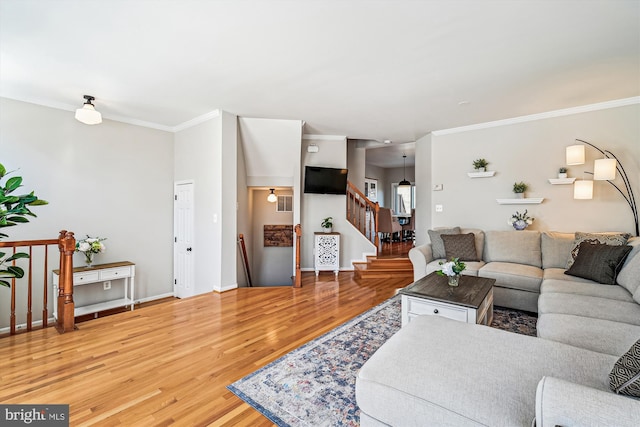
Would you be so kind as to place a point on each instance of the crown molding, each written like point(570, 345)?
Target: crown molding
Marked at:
point(312, 137)
point(196, 121)
point(547, 115)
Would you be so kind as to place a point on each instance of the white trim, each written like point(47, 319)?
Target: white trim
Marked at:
point(540, 116)
point(196, 120)
point(51, 320)
point(364, 256)
point(311, 137)
point(225, 288)
point(155, 297)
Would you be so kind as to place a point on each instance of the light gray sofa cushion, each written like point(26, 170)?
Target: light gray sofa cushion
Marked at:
point(516, 276)
point(581, 288)
point(603, 336)
point(629, 276)
point(520, 247)
point(636, 295)
point(556, 247)
point(437, 247)
point(589, 306)
point(437, 371)
point(558, 274)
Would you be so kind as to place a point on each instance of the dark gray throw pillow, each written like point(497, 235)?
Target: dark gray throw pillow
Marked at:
point(437, 247)
point(625, 375)
point(598, 262)
point(462, 246)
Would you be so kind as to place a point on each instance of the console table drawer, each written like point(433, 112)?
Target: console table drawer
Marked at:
point(115, 273)
point(88, 277)
point(418, 307)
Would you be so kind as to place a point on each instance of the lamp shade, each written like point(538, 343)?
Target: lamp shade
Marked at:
point(88, 114)
point(604, 170)
point(272, 198)
point(583, 190)
point(575, 155)
point(404, 183)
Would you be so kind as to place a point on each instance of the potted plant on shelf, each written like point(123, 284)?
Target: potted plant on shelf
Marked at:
point(519, 188)
point(480, 165)
point(562, 173)
point(327, 224)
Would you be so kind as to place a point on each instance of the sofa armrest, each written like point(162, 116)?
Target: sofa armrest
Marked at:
point(562, 403)
point(420, 256)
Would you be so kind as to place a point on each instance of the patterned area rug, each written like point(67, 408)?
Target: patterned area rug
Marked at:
point(314, 385)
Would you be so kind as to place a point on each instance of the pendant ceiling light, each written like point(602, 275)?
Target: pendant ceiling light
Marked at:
point(272, 198)
point(404, 182)
point(88, 114)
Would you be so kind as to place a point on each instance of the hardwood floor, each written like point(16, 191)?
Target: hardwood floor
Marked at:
point(169, 363)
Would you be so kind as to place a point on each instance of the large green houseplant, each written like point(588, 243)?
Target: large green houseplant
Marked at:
point(14, 210)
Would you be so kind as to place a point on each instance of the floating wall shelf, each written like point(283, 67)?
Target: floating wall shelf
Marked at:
point(486, 174)
point(526, 201)
point(561, 181)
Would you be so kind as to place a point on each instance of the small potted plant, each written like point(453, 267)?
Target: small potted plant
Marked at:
point(519, 188)
point(480, 165)
point(562, 173)
point(327, 224)
point(520, 221)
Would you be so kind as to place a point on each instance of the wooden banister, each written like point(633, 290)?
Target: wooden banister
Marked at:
point(245, 259)
point(66, 306)
point(363, 213)
point(64, 241)
point(297, 281)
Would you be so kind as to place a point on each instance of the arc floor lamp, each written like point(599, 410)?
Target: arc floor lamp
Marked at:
point(603, 170)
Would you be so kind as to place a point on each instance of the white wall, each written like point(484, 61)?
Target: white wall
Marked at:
point(315, 207)
point(423, 188)
point(111, 180)
point(532, 152)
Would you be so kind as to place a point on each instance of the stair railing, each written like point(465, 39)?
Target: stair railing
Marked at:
point(363, 213)
point(25, 286)
point(245, 259)
point(297, 280)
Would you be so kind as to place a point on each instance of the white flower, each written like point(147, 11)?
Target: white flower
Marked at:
point(447, 268)
point(102, 247)
point(530, 221)
point(84, 247)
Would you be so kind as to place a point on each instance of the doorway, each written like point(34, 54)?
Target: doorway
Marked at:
point(183, 251)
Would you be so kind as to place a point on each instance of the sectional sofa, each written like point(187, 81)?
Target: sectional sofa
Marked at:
point(437, 371)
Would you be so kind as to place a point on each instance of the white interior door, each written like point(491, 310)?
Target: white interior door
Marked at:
point(184, 261)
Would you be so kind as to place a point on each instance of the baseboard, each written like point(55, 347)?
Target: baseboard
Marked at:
point(364, 257)
point(155, 297)
point(37, 323)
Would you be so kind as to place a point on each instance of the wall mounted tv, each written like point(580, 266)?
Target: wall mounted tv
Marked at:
point(320, 180)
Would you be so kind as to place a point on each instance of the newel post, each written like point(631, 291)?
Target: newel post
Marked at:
point(298, 278)
point(66, 306)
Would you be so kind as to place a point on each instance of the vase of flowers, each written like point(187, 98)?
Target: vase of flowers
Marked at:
point(89, 247)
point(520, 221)
point(452, 269)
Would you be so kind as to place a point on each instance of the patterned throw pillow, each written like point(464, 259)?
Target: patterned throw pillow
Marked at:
point(614, 239)
point(461, 246)
point(437, 247)
point(598, 262)
point(625, 376)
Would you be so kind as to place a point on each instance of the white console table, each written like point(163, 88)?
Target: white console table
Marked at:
point(83, 276)
point(326, 252)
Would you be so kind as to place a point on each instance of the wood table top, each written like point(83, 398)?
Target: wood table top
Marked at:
point(470, 292)
point(99, 267)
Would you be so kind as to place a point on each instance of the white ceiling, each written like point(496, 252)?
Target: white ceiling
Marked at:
point(371, 70)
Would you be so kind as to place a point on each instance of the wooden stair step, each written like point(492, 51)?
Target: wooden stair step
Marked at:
point(366, 271)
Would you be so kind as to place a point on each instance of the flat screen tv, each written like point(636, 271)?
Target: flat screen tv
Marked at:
point(320, 180)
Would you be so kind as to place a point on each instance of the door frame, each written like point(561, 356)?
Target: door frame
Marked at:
point(175, 234)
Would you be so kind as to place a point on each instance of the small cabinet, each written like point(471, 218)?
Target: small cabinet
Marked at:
point(90, 278)
point(326, 252)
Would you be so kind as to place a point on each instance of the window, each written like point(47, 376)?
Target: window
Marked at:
point(284, 204)
point(404, 198)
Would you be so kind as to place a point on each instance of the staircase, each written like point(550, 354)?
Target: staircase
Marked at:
point(384, 268)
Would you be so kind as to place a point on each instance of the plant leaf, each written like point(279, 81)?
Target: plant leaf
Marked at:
point(5, 283)
point(38, 202)
point(17, 256)
point(13, 183)
point(17, 272)
point(17, 219)
point(3, 171)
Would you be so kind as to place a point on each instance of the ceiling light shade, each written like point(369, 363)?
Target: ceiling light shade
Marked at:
point(404, 182)
point(272, 198)
point(88, 114)
point(604, 170)
point(575, 155)
point(583, 190)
